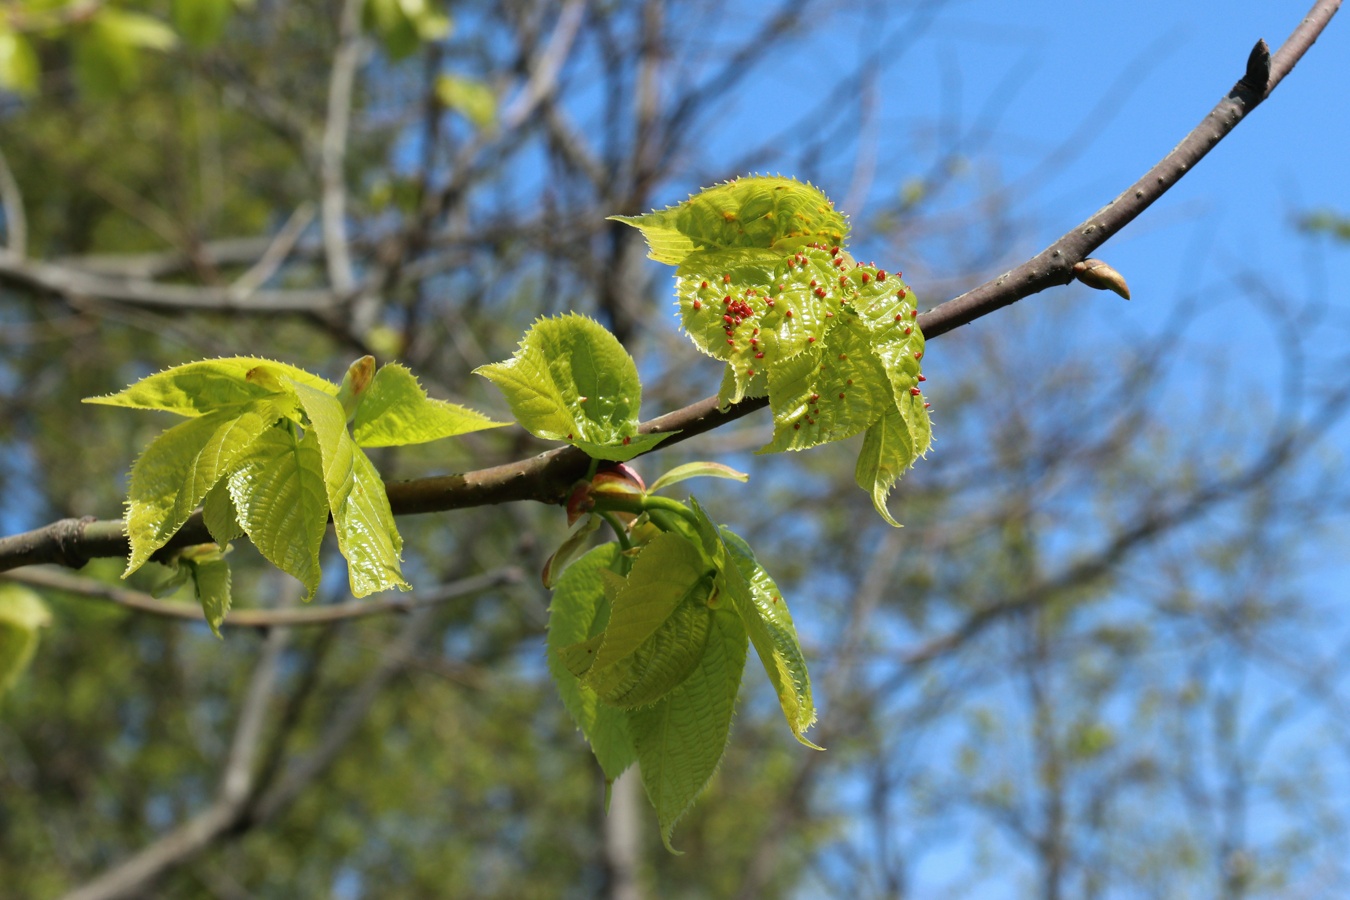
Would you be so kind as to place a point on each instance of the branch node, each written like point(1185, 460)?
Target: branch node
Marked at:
point(68, 535)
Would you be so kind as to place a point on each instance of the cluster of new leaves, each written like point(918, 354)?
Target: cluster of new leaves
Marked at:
point(764, 283)
point(648, 636)
point(267, 451)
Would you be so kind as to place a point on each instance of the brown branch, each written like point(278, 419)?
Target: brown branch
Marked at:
point(546, 478)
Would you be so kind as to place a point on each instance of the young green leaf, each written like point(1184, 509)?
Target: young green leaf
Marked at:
point(680, 740)
point(766, 212)
point(22, 613)
point(281, 501)
point(765, 614)
point(202, 387)
point(891, 446)
point(696, 470)
point(577, 538)
point(829, 393)
point(571, 380)
point(175, 472)
point(219, 514)
point(367, 534)
point(395, 410)
point(211, 577)
point(579, 611)
point(657, 627)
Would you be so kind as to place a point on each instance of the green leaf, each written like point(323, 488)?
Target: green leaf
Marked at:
point(367, 534)
point(403, 24)
point(680, 740)
point(891, 446)
point(827, 393)
point(469, 97)
point(22, 613)
point(658, 624)
point(765, 614)
point(771, 213)
point(395, 410)
point(107, 49)
point(219, 514)
point(202, 387)
point(211, 577)
point(137, 29)
point(577, 538)
point(696, 470)
point(19, 67)
point(579, 611)
point(201, 22)
point(571, 380)
point(180, 466)
point(281, 501)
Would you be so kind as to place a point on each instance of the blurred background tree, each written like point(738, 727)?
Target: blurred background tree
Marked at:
point(1102, 658)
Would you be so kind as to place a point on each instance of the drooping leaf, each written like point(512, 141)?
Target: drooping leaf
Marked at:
point(578, 612)
point(765, 615)
point(211, 577)
point(395, 410)
point(680, 739)
point(657, 626)
point(366, 532)
point(180, 466)
point(282, 503)
point(697, 470)
point(891, 446)
point(22, 613)
point(764, 212)
point(577, 538)
point(571, 380)
point(201, 387)
point(219, 514)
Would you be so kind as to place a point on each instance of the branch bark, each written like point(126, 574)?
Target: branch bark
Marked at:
point(546, 478)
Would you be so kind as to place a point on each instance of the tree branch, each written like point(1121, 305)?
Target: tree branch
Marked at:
point(546, 478)
point(54, 579)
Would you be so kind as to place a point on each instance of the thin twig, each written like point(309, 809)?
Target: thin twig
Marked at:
point(333, 150)
point(89, 588)
point(134, 875)
point(271, 259)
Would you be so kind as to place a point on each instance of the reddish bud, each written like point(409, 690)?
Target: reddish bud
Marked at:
point(698, 305)
point(915, 391)
point(922, 377)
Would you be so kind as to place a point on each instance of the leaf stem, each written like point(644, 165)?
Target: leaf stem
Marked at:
point(620, 533)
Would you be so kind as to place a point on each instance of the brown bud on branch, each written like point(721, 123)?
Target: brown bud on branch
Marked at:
point(1097, 274)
